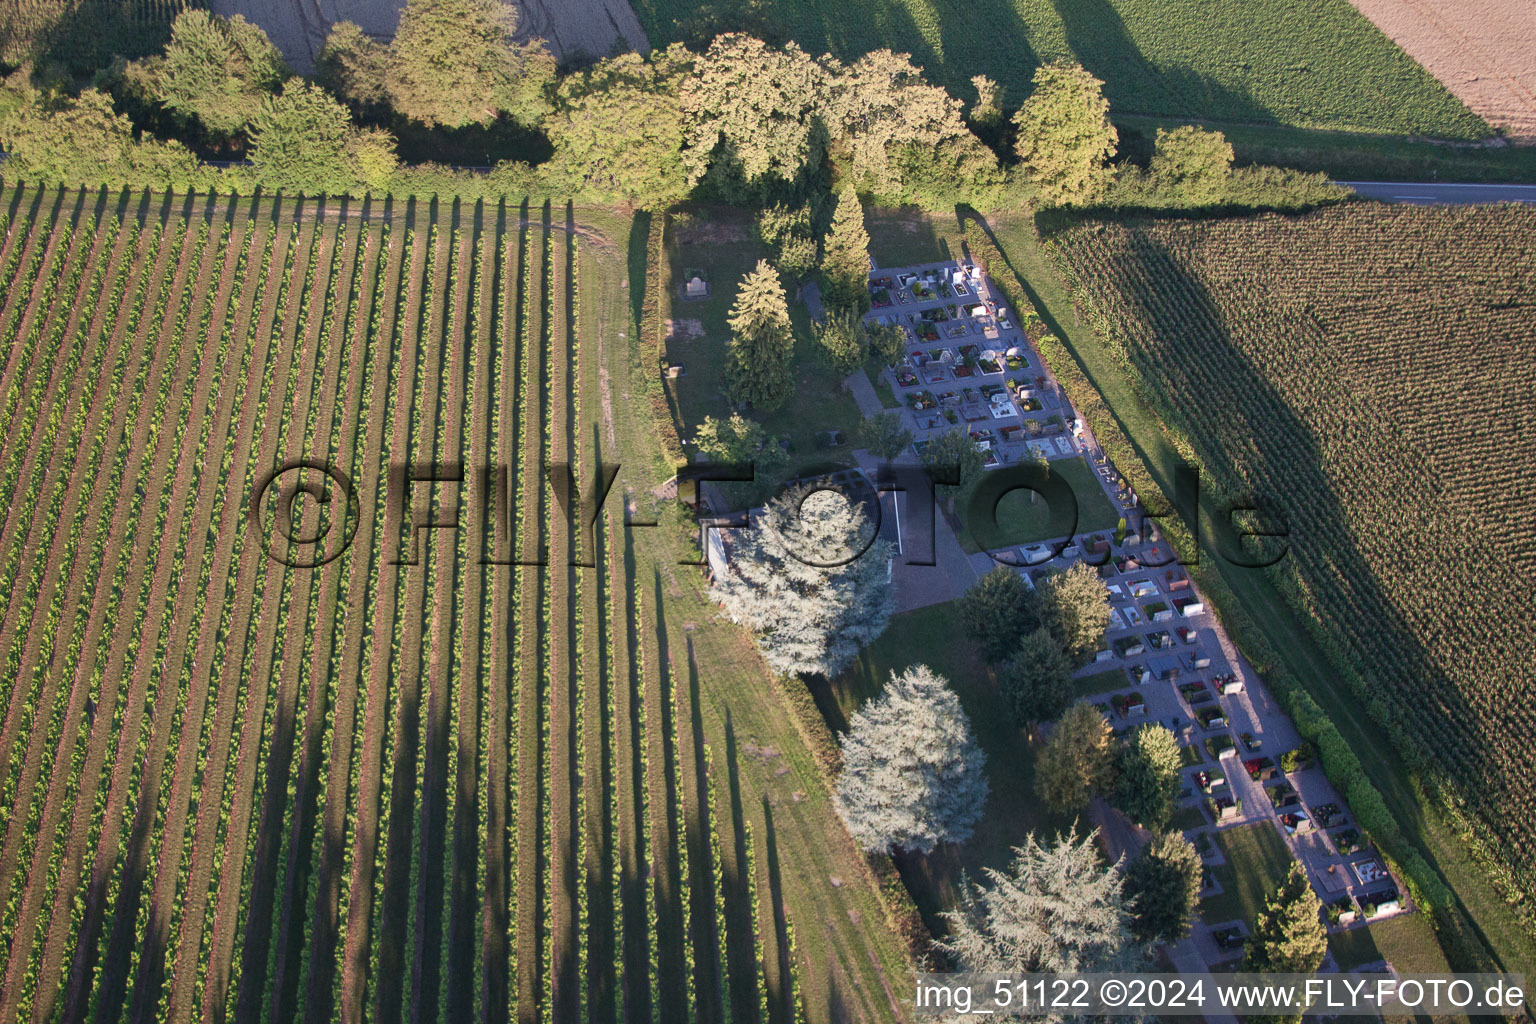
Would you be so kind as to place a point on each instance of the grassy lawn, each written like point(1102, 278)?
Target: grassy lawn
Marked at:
point(1190, 753)
point(1186, 818)
point(720, 243)
point(1482, 923)
point(1021, 520)
point(1406, 941)
point(934, 636)
point(1257, 862)
point(1099, 682)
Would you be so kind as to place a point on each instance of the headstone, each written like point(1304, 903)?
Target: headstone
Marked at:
point(696, 288)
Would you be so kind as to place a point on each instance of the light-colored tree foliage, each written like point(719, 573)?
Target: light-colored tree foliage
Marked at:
point(1148, 780)
point(886, 342)
point(809, 581)
point(216, 70)
point(952, 455)
point(351, 65)
point(303, 142)
point(1075, 763)
point(790, 232)
point(617, 129)
point(1058, 908)
point(840, 337)
point(1077, 609)
point(754, 114)
point(1163, 885)
point(1193, 164)
point(740, 441)
point(912, 774)
point(1065, 137)
point(1037, 679)
point(1000, 608)
point(1289, 937)
point(454, 62)
point(845, 259)
point(987, 111)
point(762, 341)
point(884, 435)
point(83, 142)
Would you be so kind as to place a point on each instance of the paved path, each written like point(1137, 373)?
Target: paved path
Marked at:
point(810, 294)
point(1426, 193)
point(864, 393)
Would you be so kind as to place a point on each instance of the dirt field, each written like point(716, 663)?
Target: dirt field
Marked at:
point(575, 31)
point(1483, 50)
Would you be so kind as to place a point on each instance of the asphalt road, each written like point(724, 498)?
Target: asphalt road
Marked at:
point(1421, 193)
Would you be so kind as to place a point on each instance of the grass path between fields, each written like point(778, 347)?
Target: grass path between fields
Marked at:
point(1494, 923)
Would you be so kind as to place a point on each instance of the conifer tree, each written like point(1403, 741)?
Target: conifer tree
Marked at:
point(1149, 776)
point(845, 259)
point(1289, 937)
point(810, 580)
point(912, 772)
point(1163, 885)
point(1058, 908)
point(762, 341)
point(840, 336)
point(1037, 679)
point(1074, 765)
point(999, 608)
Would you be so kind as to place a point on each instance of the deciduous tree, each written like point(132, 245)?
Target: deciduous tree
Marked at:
point(1163, 885)
point(1037, 679)
point(1289, 937)
point(1193, 164)
point(1075, 764)
point(810, 581)
point(952, 455)
point(884, 435)
point(351, 65)
point(987, 111)
point(84, 142)
point(1000, 608)
point(762, 341)
point(886, 342)
point(1076, 609)
point(1065, 137)
point(743, 442)
point(303, 142)
point(912, 773)
point(1149, 776)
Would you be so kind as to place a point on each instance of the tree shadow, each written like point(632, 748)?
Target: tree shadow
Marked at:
point(601, 981)
point(671, 924)
point(703, 926)
point(633, 877)
point(736, 883)
point(781, 986)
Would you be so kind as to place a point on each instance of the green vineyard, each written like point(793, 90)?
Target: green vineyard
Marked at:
point(333, 759)
point(1367, 371)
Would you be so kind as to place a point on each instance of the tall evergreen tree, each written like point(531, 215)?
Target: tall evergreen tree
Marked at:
point(1065, 136)
point(1000, 608)
point(1037, 680)
point(1289, 937)
point(1075, 763)
point(810, 581)
point(1149, 776)
point(1076, 609)
point(1058, 908)
point(762, 341)
point(845, 259)
point(454, 62)
point(912, 773)
point(303, 142)
point(1163, 885)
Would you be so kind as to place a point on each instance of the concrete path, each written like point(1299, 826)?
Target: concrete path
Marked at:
point(864, 393)
point(810, 294)
point(1426, 193)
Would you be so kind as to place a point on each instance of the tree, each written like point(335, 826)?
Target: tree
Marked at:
point(1037, 680)
point(762, 341)
point(809, 579)
point(790, 232)
point(884, 435)
point(1065, 135)
point(84, 142)
point(753, 115)
point(1074, 765)
point(845, 263)
point(617, 130)
point(304, 142)
point(351, 65)
point(454, 62)
point(952, 455)
point(1057, 909)
point(1149, 776)
point(1163, 885)
point(999, 608)
point(214, 69)
point(1193, 164)
point(1076, 609)
point(743, 442)
point(987, 111)
point(886, 342)
point(912, 773)
point(1289, 937)
point(840, 336)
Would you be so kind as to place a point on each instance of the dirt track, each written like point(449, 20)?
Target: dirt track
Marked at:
point(1483, 50)
point(575, 31)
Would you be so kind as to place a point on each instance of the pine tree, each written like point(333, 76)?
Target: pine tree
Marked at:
point(215, 69)
point(912, 773)
point(1163, 885)
point(999, 609)
point(1037, 679)
point(845, 259)
point(1074, 765)
point(1289, 937)
point(1149, 776)
point(762, 342)
point(1077, 609)
point(1057, 909)
point(809, 580)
